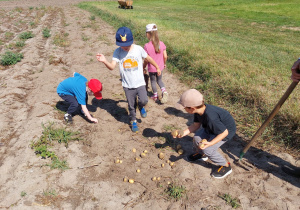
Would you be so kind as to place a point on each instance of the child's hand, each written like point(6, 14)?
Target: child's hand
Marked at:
point(158, 71)
point(204, 144)
point(94, 120)
point(177, 134)
point(100, 57)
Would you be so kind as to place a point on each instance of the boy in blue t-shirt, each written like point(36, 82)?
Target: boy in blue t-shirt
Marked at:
point(212, 123)
point(75, 90)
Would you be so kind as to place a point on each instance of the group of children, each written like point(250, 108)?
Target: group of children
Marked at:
point(210, 122)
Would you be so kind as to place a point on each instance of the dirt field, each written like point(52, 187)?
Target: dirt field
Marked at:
point(28, 98)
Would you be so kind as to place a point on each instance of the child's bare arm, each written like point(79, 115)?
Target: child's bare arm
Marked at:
point(87, 114)
point(165, 57)
point(191, 129)
point(110, 65)
point(150, 60)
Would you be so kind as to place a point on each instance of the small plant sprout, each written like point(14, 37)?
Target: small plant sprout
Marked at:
point(23, 194)
point(46, 32)
point(92, 17)
point(26, 35)
point(234, 202)
point(175, 192)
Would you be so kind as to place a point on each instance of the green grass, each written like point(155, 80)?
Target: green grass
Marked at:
point(238, 53)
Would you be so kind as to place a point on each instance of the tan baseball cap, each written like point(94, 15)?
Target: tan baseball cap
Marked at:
point(190, 98)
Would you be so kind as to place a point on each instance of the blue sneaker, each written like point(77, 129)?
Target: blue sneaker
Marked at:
point(143, 112)
point(134, 126)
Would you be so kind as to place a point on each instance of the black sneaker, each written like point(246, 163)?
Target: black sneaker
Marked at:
point(222, 172)
point(197, 156)
point(68, 118)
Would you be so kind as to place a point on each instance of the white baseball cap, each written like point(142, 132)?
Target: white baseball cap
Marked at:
point(151, 27)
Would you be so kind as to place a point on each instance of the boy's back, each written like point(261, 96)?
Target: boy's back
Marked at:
point(215, 120)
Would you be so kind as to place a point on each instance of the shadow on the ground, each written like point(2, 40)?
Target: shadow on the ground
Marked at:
point(254, 158)
point(111, 106)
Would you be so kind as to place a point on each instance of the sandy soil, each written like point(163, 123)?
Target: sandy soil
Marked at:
point(28, 98)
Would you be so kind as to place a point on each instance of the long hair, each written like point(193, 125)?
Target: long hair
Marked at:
point(155, 40)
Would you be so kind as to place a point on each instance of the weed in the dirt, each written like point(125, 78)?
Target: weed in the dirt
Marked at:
point(10, 58)
point(92, 17)
point(49, 137)
point(31, 8)
point(175, 191)
point(20, 44)
point(18, 9)
point(50, 192)
point(60, 39)
point(23, 194)
point(26, 35)
point(31, 24)
point(8, 35)
point(234, 202)
point(57, 164)
point(84, 37)
point(46, 32)
point(169, 128)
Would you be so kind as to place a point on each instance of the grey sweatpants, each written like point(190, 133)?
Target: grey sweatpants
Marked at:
point(131, 94)
point(212, 151)
point(155, 78)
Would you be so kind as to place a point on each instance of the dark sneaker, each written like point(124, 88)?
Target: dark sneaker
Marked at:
point(143, 112)
point(68, 118)
point(222, 172)
point(197, 156)
point(134, 126)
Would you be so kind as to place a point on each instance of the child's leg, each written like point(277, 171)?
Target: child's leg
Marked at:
point(212, 151)
point(131, 99)
point(142, 96)
point(73, 103)
point(213, 154)
point(146, 77)
point(160, 82)
point(153, 83)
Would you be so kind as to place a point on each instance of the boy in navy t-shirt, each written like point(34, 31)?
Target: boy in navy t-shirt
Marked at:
point(75, 90)
point(212, 123)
